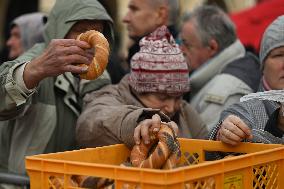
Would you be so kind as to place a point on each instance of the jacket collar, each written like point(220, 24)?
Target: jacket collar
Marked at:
point(215, 65)
point(67, 83)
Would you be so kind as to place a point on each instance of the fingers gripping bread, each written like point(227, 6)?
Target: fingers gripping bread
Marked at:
point(165, 155)
point(101, 47)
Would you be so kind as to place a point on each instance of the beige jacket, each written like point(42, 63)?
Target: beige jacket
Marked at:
point(110, 116)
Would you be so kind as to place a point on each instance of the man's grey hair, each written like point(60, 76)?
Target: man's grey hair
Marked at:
point(173, 7)
point(212, 23)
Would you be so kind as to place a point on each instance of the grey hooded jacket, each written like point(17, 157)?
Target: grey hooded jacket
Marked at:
point(44, 121)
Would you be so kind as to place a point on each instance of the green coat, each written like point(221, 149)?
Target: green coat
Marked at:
point(44, 121)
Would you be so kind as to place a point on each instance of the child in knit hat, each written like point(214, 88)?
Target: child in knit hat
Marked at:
point(150, 93)
point(259, 120)
point(159, 66)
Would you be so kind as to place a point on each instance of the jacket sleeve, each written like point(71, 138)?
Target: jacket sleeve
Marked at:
point(107, 120)
point(240, 110)
point(14, 98)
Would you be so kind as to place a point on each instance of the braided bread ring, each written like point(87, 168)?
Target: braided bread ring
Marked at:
point(80, 181)
point(165, 155)
point(58, 182)
point(101, 48)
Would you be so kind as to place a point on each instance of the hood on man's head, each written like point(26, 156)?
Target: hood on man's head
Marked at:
point(31, 28)
point(273, 37)
point(159, 66)
point(66, 13)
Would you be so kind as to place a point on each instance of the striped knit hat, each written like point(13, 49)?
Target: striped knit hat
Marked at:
point(273, 37)
point(159, 66)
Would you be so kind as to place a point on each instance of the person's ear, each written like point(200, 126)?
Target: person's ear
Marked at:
point(213, 47)
point(163, 14)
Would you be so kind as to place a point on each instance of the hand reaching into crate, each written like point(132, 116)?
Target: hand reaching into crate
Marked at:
point(148, 126)
point(233, 130)
point(161, 149)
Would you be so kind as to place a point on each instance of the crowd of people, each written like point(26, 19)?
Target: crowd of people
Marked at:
point(46, 108)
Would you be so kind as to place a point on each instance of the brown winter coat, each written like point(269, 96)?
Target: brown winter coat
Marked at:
point(110, 116)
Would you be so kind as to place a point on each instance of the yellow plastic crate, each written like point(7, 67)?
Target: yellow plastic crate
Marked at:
point(261, 166)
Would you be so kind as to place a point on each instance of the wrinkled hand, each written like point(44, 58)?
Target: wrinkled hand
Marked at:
point(233, 130)
point(147, 126)
point(60, 56)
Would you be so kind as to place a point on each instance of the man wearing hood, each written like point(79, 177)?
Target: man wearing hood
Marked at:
point(40, 97)
point(26, 30)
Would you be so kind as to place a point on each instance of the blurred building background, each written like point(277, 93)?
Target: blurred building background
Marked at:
point(9, 9)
